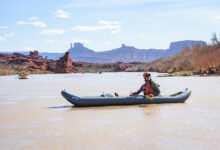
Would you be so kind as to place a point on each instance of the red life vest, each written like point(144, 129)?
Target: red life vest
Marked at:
point(147, 89)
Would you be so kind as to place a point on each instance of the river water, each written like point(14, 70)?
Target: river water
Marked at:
point(34, 115)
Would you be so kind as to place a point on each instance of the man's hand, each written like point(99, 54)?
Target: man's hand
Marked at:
point(133, 94)
point(151, 95)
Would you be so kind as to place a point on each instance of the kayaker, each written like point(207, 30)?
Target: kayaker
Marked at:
point(149, 87)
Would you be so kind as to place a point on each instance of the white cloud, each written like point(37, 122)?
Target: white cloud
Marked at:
point(9, 35)
point(3, 27)
point(33, 21)
point(62, 14)
point(142, 36)
point(50, 41)
point(80, 41)
point(33, 18)
point(87, 28)
point(114, 26)
point(38, 24)
point(108, 22)
point(116, 31)
point(149, 37)
point(217, 17)
point(53, 31)
point(21, 22)
point(28, 48)
point(4, 37)
point(108, 43)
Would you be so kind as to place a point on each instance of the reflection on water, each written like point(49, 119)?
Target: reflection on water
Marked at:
point(61, 107)
point(34, 115)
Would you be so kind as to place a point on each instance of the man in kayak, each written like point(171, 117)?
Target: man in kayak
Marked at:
point(149, 88)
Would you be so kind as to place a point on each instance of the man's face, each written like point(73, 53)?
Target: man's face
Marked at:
point(147, 77)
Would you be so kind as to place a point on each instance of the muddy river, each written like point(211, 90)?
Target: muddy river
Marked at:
point(34, 115)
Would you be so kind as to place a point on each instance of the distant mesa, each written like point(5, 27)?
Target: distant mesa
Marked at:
point(78, 52)
point(77, 45)
point(128, 53)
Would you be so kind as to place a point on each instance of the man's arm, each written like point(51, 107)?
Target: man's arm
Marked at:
point(156, 89)
point(139, 91)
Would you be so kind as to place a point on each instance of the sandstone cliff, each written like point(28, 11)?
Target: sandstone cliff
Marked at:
point(33, 63)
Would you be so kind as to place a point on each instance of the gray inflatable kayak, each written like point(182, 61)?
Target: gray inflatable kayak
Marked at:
point(106, 100)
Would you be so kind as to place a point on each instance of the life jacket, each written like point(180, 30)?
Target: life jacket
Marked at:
point(147, 89)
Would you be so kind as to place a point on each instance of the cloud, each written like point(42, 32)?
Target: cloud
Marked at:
point(114, 26)
point(21, 22)
point(9, 35)
point(33, 18)
point(108, 22)
point(107, 43)
point(4, 37)
point(38, 24)
point(33, 21)
point(217, 17)
point(80, 41)
point(62, 14)
point(116, 31)
point(28, 48)
point(148, 37)
point(52, 31)
point(50, 41)
point(142, 36)
point(3, 27)
point(87, 28)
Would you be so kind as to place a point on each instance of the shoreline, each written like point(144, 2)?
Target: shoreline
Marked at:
point(188, 73)
point(175, 74)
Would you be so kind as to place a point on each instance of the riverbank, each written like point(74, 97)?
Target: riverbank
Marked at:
point(13, 69)
point(182, 64)
point(183, 74)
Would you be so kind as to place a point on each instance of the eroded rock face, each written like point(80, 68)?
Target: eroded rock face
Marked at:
point(34, 53)
point(121, 67)
point(31, 62)
point(37, 64)
point(64, 64)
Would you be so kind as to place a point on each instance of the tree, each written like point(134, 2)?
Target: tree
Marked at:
point(215, 40)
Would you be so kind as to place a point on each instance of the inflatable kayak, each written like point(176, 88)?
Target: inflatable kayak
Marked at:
point(20, 77)
point(24, 76)
point(105, 100)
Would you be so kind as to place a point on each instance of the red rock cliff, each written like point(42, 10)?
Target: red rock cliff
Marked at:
point(64, 64)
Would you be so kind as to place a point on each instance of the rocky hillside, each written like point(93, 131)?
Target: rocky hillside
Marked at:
point(128, 53)
point(33, 63)
point(54, 56)
point(198, 60)
point(195, 60)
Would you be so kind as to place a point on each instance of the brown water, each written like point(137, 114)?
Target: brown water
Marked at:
point(33, 114)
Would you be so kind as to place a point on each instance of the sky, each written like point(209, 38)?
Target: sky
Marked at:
point(51, 25)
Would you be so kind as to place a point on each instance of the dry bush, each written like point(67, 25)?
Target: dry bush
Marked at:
point(204, 57)
point(193, 59)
